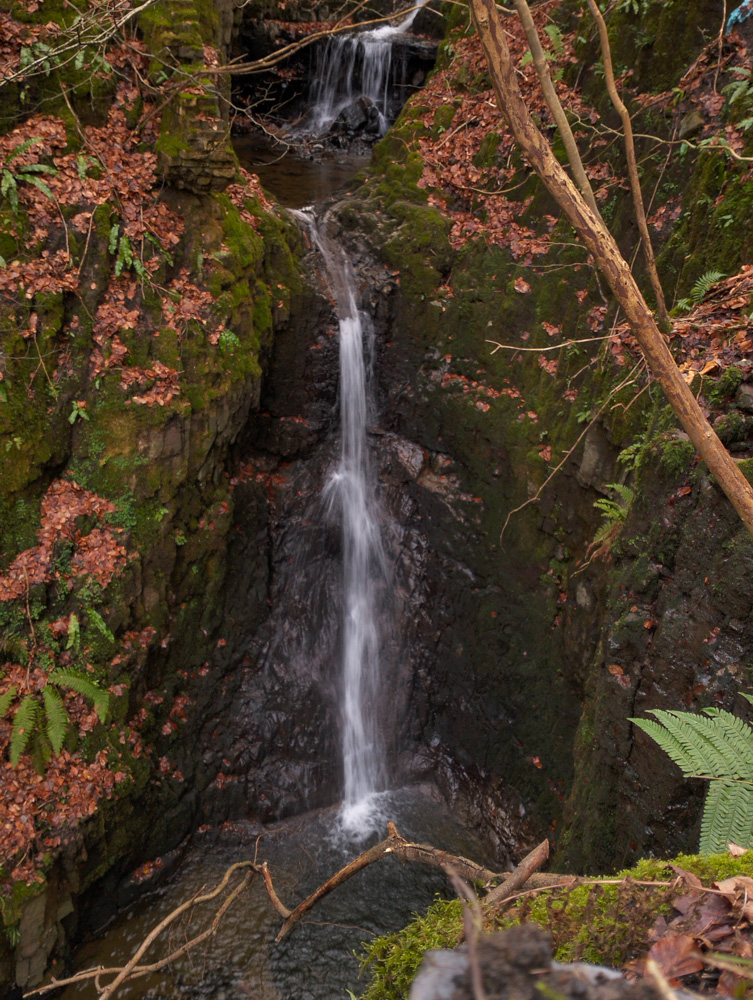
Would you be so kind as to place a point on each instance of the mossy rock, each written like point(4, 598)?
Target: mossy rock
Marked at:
point(606, 921)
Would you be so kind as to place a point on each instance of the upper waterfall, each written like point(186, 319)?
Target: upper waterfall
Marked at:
point(356, 65)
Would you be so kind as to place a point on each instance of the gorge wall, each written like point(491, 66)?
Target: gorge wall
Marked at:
point(203, 398)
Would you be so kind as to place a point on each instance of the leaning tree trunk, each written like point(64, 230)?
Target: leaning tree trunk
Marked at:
point(609, 260)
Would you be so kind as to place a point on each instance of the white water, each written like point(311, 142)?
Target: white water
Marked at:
point(350, 487)
point(352, 66)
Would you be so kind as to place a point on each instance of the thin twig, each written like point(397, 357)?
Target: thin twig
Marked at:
point(567, 454)
point(551, 347)
point(662, 986)
point(720, 43)
point(635, 183)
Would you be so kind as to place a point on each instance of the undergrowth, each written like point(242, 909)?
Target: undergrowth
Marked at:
point(606, 922)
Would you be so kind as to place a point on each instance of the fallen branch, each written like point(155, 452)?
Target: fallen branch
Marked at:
point(401, 848)
point(530, 864)
point(458, 866)
point(609, 260)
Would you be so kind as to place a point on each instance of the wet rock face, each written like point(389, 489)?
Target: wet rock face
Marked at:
point(676, 635)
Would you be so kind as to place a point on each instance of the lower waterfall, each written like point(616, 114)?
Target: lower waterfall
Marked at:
point(365, 574)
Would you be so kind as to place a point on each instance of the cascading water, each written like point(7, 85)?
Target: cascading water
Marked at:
point(350, 488)
point(357, 65)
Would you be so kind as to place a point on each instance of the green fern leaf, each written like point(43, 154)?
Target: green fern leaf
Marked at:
point(40, 750)
point(604, 532)
point(708, 755)
point(99, 623)
point(690, 749)
point(36, 168)
point(22, 148)
point(717, 746)
point(737, 735)
point(748, 697)
point(6, 700)
point(727, 817)
point(37, 182)
point(24, 723)
point(74, 680)
point(672, 746)
point(57, 718)
point(623, 491)
point(113, 245)
point(702, 287)
point(74, 633)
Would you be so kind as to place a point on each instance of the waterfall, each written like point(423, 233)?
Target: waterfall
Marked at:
point(350, 489)
point(357, 65)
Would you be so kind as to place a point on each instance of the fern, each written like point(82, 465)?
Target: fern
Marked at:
point(40, 750)
point(24, 722)
point(613, 512)
point(74, 680)
point(701, 288)
point(718, 747)
point(6, 700)
point(99, 623)
point(57, 718)
point(74, 633)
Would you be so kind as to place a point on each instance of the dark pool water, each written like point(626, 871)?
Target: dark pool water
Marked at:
point(316, 961)
point(294, 178)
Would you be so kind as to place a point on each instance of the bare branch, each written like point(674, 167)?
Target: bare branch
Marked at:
point(635, 183)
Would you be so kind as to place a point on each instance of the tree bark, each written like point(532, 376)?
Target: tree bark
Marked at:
point(609, 260)
point(555, 106)
point(632, 163)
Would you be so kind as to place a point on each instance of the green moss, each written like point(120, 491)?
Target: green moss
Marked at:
point(726, 385)
point(604, 923)
point(393, 960)
point(675, 455)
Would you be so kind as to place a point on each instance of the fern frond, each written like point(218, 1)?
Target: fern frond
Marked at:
point(99, 623)
point(623, 491)
point(27, 144)
point(24, 722)
point(704, 743)
point(40, 750)
point(74, 680)
point(607, 530)
point(670, 744)
point(57, 718)
point(748, 697)
point(702, 287)
point(6, 700)
point(736, 733)
point(727, 817)
point(698, 746)
point(74, 633)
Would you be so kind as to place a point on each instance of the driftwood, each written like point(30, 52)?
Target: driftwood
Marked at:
point(455, 866)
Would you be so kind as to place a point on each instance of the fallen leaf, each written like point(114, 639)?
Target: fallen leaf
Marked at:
point(677, 956)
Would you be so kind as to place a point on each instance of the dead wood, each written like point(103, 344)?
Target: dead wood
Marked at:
point(555, 106)
point(632, 163)
point(530, 864)
point(609, 260)
point(455, 866)
point(401, 848)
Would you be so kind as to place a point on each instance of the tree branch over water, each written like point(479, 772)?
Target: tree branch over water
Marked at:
point(230, 891)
